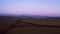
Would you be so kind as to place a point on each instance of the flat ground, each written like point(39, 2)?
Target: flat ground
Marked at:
point(30, 26)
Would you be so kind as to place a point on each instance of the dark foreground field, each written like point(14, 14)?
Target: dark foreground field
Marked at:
point(29, 26)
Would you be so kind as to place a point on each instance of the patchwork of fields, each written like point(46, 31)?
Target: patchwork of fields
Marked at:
point(29, 26)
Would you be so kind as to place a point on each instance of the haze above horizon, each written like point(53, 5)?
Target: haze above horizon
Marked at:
point(30, 7)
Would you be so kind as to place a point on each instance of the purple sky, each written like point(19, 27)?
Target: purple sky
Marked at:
point(32, 7)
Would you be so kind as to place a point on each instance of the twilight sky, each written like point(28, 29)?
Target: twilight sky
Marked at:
point(33, 7)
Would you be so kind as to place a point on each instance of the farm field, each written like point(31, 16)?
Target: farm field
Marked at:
point(29, 26)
